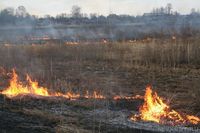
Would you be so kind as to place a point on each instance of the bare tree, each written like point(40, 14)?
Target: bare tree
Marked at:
point(21, 11)
point(76, 11)
point(93, 15)
point(169, 8)
point(8, 11)
point(193, 11)
point(162, 10)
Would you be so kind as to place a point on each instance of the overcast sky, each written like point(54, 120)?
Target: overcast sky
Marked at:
point(131, 7)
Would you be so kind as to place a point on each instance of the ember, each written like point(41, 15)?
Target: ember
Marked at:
point(127, 97)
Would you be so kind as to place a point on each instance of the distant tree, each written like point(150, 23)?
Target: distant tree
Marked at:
point(63, 15)
point(85, 15)
point(21, 11)
point(194, 11)
point(162, 10)
point(47, 16)
point(8, 11)
point(76, 12)
point(7, 16)
point(176, 13)
point(93, 15)
point(154, 11)
point(169, 8)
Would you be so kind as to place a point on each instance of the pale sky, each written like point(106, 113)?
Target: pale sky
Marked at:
point(130, 7)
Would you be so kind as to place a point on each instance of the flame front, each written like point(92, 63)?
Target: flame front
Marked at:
point(17, 88)
point(154, 109)
point(127, 97)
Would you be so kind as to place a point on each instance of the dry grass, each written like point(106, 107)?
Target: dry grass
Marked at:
point(172, 66)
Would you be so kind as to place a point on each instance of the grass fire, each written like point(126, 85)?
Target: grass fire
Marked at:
point(82, 66)
point(67, 90)
point(154, 109)
point(17, 88)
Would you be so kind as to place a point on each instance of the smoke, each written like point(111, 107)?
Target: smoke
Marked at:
point(113, 27)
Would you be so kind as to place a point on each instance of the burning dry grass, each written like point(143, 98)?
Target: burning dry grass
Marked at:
point(154, 109)
point(16, 88)
point(115, 67)
point(127, 97)
point(118, 68)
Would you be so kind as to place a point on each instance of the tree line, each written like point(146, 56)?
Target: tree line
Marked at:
point(20, 16)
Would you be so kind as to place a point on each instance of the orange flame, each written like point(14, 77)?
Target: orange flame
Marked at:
point(16, 88)
point(193, 119)
point(95, 95)
point(128, 97)
point(154, 109)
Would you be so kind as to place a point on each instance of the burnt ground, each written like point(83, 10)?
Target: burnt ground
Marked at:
point(50, 115)
point(110, 70)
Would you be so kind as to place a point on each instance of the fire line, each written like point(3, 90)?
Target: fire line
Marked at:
point(155, 110)
point(17, 88)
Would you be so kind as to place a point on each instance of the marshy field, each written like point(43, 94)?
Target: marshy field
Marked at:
point(103, 70)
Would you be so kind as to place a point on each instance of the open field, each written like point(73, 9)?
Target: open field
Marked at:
point(171, 66)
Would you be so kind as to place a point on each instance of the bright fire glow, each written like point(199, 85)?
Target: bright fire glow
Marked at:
point(17, 88)
point(155, 110)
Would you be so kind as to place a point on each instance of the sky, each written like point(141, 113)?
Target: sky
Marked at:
point(101, 7)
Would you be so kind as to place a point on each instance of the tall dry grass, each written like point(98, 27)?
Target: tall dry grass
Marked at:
point(75, 66)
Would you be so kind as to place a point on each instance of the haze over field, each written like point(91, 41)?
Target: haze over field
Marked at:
point(99, 66)
point(104, 7)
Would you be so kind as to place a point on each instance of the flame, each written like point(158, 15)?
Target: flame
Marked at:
point(95, 95)
point(155, 110)
point(128, 97)
point(35, 89)
point(193, 119)
point(16, 88)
